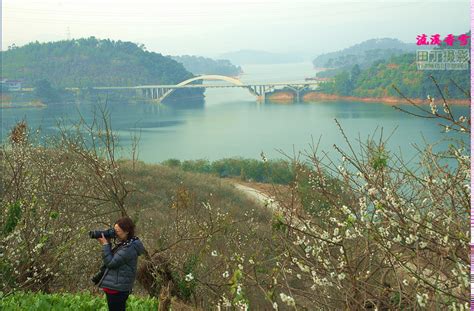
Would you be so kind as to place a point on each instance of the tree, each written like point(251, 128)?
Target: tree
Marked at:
point(387, 235)
point(355, 72)
point(343, 84)
point(45, 92)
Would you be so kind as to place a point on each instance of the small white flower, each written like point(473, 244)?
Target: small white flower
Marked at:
point(433, 107)
point(346, 210)
point(214, 253)
point(226, 302)
point(275, 306)
point(189, 277)
point(445, 108)
point(398, 238)
point(372, 191)
point(405, 282)
point(422, 299)
point(225, 274)
point(287, 299)
point(445, 239)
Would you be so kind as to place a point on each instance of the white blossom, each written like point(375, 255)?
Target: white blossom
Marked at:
point(422, 299)
point(287, 299)
point(189, 277)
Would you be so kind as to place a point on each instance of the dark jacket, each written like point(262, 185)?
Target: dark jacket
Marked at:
point(121, 266)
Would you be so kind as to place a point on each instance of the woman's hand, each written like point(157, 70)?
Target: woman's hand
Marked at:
point(103, 240)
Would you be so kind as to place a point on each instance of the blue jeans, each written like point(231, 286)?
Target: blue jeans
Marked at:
point(117, 302)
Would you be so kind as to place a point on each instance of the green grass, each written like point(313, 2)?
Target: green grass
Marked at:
point(67, 301)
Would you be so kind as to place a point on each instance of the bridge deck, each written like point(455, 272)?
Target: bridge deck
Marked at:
point(169, 86)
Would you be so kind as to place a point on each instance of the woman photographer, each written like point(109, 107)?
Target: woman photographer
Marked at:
point(118, 272)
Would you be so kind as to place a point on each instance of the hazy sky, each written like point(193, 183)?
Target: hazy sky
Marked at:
point(210, 27)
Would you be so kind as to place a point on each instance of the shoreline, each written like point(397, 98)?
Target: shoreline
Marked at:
point(32, 104)
point(315, 96)
point(10, 101)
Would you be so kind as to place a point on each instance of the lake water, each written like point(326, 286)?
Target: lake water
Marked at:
point(232, 123)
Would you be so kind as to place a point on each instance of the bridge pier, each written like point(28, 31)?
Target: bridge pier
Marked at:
point(297, 91)
point(152, 93)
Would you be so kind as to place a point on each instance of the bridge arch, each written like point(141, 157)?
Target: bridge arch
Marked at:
point(210, 78)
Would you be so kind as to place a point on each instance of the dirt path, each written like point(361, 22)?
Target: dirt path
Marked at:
point(258, 196)
point(267, 201)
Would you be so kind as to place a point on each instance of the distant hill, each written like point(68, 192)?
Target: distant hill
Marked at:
point(260, 57)
point(199, 65)
point(364, 54)
point(90, 62)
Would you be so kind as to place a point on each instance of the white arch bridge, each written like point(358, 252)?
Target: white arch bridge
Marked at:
point(160, 92)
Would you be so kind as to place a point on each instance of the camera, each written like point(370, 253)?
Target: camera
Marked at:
point(108, 234)
point(98, 276)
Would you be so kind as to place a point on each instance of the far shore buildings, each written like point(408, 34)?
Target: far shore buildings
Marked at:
point(11, 85)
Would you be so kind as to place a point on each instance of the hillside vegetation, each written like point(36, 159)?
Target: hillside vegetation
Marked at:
point(269, 171)
point(363, 53)
point(90, 62)
point(401, 71)
point(197, 229)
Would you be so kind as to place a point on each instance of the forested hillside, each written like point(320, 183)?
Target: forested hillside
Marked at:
point(401, 71)
point(90, 62)
point(363, 53)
